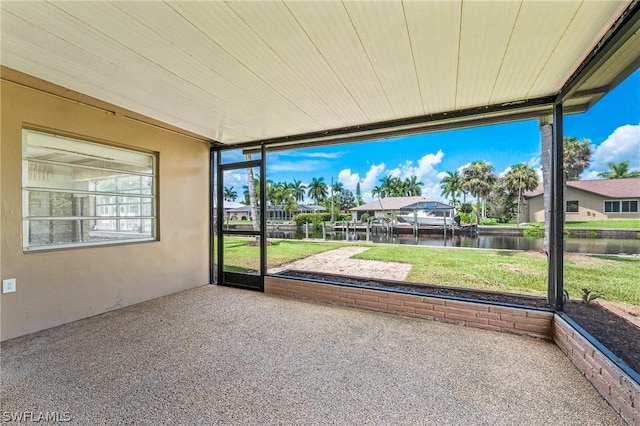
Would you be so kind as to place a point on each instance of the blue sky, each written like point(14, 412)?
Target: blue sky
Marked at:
point(612, 125)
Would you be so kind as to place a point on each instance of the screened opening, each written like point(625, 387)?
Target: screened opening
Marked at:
point(79, 193)
point(602, 291)
point(426, 213)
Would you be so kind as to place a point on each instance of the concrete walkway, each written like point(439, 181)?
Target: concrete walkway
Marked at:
point(338, 261)
point(220, 355)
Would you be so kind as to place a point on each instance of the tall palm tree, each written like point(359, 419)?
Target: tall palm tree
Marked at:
point(256, 189)
point(411, 186)
point(228, 194)
point(377, 192)
point(297, 189)
point(478, 179)
point(338, 187)
point(253, 199)
point(317, 190)
point(519, 179)
point(451, 186)
point(619, 171)
point(272, 190)
point(387, 185)
point(576, 158)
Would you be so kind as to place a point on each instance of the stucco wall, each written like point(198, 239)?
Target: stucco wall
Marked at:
point(590, 207)
point(60, 286)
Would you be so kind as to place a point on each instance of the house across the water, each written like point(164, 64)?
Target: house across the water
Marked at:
point(401, 205)
point(592, 200)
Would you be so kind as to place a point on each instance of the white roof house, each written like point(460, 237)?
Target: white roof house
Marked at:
point(383, 206)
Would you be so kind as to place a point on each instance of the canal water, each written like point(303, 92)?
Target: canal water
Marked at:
point(572, 245)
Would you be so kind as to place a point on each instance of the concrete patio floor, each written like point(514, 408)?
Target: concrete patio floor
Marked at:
point(221, 355)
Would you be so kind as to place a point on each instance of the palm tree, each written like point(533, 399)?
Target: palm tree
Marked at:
point(576, 156)
point(619, 171)
point(377, 192)
point(272, 190)
point(451, 186)
point(411, 186)
point(253, 199)
point(317, 190)
point(256, 188)
point(520, 178)
point(478, 178)
point(338, 187)
point(297, 190)
point(228, 194)
point(387, 185)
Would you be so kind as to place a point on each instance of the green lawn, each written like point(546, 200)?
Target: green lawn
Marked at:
point(616, 278)
point(605, 224)
point(241, 256)
point(593, 224)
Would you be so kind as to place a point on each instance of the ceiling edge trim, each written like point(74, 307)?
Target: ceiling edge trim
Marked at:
point(35, 83)
point(492, 114)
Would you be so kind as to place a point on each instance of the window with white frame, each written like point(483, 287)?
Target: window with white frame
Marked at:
point(79, 193)
point(621, 206)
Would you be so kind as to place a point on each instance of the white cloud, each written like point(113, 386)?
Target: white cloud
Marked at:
point(464, 166)
point(442, 175)
point(623, 144)
point(371, 178)
point(348, 179)
point(589, 175)
point(424, 170)
point(234, 178)
point(329, 155)
point(504, 172)
point(326, 155)
point(296, 166)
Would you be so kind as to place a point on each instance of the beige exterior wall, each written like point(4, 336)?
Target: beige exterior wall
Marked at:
point(590, 207)
point(59, 286)
point(535, 209)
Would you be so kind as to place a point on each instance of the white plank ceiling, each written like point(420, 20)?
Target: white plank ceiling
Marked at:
point(246, 71)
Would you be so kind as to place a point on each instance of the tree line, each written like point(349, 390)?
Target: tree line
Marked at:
point(503, 196)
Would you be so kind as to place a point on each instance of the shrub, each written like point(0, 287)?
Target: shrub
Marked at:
point(489, 221)
point(466, 208)
point(465, 217)
point(533, 231)
point(588, 296)
point(314, 218)
point(365, 217)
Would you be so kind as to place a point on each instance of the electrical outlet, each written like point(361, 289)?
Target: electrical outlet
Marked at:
point(9, 286)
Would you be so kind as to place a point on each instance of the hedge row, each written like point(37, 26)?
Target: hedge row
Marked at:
point(317, 218)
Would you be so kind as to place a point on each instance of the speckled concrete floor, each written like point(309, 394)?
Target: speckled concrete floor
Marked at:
point(221, 355)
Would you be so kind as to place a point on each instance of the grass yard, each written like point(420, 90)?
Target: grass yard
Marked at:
point(615, 278)
point(239, 256)
point(601, 224)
